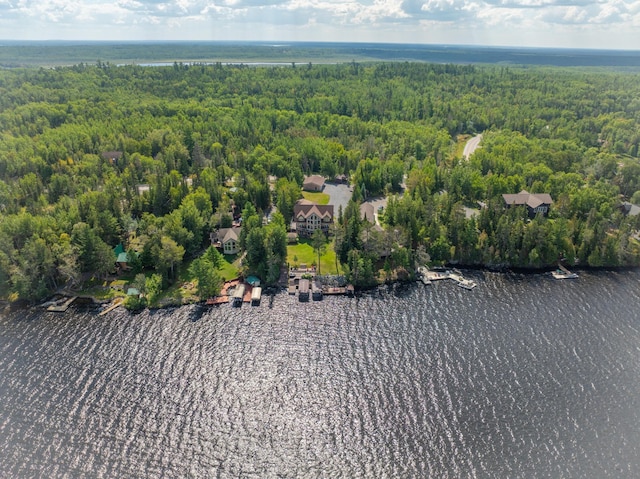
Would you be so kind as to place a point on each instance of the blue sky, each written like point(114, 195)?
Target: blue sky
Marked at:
point(546, 23)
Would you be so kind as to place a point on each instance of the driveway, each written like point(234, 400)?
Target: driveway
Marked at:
point(339, 195)
point(377, 203)
point(471, 146)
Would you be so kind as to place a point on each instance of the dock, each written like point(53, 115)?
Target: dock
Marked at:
point(248, 291)
point(114, 304)
point(61, 307)
point(217, 300)
point(563, 273)
point(223, 297)
point(334, 290)
point(427, 277)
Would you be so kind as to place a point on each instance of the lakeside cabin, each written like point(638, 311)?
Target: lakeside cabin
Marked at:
point(238, 295)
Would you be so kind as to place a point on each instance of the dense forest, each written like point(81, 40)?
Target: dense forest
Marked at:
point(78, 142)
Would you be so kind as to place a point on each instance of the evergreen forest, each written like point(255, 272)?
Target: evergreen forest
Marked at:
point(154, 158)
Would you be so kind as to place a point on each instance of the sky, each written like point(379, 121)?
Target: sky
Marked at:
point(611, 24)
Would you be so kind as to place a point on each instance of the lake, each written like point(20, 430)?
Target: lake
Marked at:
point(524, 376)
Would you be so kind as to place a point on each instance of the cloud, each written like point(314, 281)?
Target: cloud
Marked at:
point(459, 21)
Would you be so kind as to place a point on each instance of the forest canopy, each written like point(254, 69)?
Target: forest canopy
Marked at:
point(154, 158)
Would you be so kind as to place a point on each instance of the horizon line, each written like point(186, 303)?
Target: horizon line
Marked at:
point(281, 43)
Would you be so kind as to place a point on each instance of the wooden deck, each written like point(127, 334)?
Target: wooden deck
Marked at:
point(114, 304)
point(428, 276)
point(563, 273)
point(62, 307)
point(223, 297)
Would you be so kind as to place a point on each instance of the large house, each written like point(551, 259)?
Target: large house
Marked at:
point(227, 239)
point(535, 203)
point(308, 217)
point(313, 183)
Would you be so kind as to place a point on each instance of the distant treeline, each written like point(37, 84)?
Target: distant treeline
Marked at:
point(17, 54)
point(77, 143)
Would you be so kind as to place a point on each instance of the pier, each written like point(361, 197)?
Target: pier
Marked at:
point(62, 305)
point(563, 273)
point(427, 277)
point(114, 304)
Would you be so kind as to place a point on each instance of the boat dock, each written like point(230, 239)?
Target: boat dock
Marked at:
point(62, 305)
point(114, 304)
point(563, 273)
point(223, 297)
point(334, 290)
point(427, 277)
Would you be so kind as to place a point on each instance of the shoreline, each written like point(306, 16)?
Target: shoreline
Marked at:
point(88, 299)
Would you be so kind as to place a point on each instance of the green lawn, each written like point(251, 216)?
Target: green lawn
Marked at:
point(318, 198)
point(303, 251)
point(230, 267)
point(184, 288)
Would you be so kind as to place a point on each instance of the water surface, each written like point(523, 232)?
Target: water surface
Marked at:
point(523, 376)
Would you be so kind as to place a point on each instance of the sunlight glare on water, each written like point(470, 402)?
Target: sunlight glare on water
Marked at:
point(522, 377)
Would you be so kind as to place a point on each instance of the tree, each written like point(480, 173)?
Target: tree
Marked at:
point(167, 256)
point(208, 279)
point(287, 194)
point(319, 244)
point(153, 287)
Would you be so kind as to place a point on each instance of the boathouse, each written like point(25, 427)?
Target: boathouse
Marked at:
point(303, 290)
point(238, 295)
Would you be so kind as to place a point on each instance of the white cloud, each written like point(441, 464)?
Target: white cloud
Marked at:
point(579, 23)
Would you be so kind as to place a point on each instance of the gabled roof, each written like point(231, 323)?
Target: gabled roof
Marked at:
point(306, 210)
point(228, 234)
point(313, 181)
point(367, 212)
point(529, 199)
point(122, 258)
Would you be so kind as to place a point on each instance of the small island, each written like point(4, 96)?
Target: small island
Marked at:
point(158, 184)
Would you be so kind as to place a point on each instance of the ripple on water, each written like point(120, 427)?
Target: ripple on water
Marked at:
point(521, 377)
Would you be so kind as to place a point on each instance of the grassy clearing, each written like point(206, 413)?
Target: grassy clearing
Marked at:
point(304, 253)
point(461, 141)
point(318, 198)
point(184, 289)
point(230, 267)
